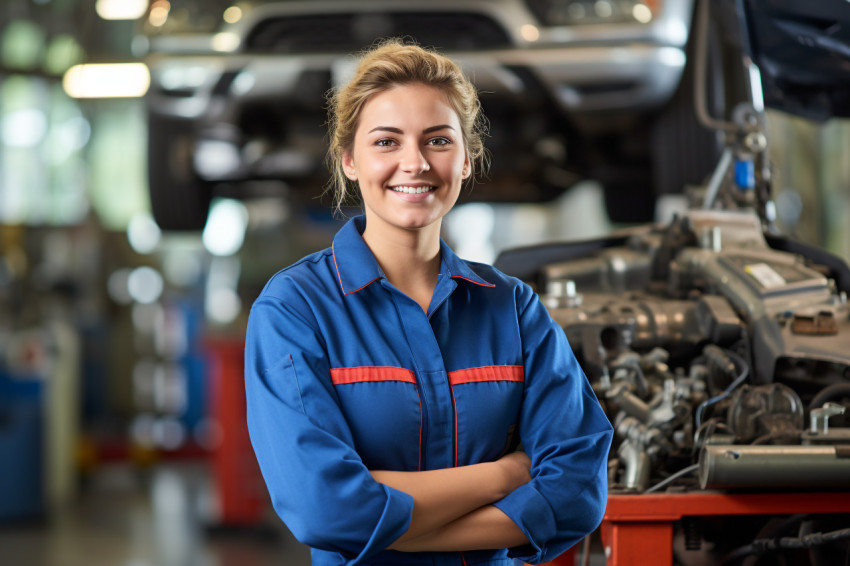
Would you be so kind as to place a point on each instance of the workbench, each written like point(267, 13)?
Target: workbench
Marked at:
point(637, 530)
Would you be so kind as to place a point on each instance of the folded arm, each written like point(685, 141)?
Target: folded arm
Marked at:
point(486, 527)
point(452, 506)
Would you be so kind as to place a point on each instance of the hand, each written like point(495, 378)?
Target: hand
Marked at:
point(517, 468)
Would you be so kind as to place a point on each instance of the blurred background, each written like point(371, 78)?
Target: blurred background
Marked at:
point(122, 305)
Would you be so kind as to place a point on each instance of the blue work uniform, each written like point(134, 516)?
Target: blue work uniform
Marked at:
point(345, 374)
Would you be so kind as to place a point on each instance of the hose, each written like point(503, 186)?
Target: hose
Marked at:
point(764, 545)
point(834, 391)
point(681, 473)
point(741, 366)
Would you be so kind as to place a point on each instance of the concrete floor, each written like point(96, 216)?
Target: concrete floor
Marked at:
point(160, 517)
point(125, 518)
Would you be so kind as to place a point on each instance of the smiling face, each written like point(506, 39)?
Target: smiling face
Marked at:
point(408, 158)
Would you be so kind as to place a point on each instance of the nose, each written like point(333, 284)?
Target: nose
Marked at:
point(413, 160)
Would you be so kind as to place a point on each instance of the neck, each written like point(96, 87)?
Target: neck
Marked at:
point(410, 259)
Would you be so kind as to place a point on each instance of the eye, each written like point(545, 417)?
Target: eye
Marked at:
point(440, 141)
point(385, 142)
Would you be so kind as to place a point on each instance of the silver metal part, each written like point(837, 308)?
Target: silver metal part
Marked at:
point(636, 466)
point(617, 270)
point(706, 338)
point(561, 293)
point(820, 417)
point(733, 466)
point(628, 402)
point(712, 238)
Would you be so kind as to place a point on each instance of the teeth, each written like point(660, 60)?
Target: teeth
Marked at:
point(411, 190)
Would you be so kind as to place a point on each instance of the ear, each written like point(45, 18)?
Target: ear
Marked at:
point(467, 169)
point(348, 166)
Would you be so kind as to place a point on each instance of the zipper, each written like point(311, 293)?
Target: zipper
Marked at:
point(423, 397)
point(454, 412)
point(423, 424)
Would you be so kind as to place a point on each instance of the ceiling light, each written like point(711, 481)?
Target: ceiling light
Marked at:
point(107, 80)
point(121, 9)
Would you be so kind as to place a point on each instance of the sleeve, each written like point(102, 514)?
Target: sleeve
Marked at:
point(317, 482)
point(567, 436)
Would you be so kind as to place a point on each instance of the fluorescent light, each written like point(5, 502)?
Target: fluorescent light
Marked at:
point(222, 304)
point(143, 233)
point(23, 128)
point(216, 159)
point(671, 56)
point(225, 41)
point(107, 80)
point(121, 9)
point(224, 232)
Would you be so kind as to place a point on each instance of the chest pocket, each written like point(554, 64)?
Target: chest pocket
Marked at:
point(382, 407)
point(488, 401)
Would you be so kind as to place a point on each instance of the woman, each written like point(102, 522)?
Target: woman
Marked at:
point(389, 382)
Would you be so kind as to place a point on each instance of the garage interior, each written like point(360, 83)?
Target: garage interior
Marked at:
point(122, 410)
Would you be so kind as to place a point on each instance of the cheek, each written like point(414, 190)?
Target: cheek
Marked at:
point(456, 168)
point(375, 169)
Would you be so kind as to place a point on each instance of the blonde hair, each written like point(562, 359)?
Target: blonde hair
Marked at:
point(392, 63)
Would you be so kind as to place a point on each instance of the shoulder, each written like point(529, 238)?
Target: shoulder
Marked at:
point(523, 299)
point(312, 271)
point(502, 282)
point(302, 286)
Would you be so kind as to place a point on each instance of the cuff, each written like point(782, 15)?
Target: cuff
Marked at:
point(535, 518)
point(394, 522)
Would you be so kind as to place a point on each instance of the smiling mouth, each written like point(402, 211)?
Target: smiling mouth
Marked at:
point(412, 190)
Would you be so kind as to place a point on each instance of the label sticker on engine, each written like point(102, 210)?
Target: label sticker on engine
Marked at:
point(765, 275)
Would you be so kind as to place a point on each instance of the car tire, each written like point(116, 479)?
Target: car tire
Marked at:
point(682, 151)
point(180, 200)
point(628, 191)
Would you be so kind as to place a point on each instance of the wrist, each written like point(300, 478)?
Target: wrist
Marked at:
point(508, 481)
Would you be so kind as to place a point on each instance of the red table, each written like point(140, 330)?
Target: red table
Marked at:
point(637, 530)
point(241, 498)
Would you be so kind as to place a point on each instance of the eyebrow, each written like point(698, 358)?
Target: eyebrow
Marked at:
point(398, 130)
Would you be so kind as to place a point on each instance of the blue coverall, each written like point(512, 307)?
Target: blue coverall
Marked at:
point(346, 374)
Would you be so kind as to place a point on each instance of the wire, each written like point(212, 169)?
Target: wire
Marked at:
point(741, 365)
point(706, 431)
point(763, 545)
point(683, 472)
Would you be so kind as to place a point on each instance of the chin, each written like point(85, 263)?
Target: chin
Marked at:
point(416, 221)
point(415, 224)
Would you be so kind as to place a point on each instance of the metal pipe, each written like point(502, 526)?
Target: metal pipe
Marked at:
point(636, 466)
point(722, 466)
point(717, 177)
point(700, 61)
point(630, 403)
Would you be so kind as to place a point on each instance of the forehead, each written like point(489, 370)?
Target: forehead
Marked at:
point(411, 104)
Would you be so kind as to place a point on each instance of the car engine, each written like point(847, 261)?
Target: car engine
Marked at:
point(720, 353)
point(710, 351)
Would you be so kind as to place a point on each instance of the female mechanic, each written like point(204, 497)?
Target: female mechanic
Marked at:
point(389, 382)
